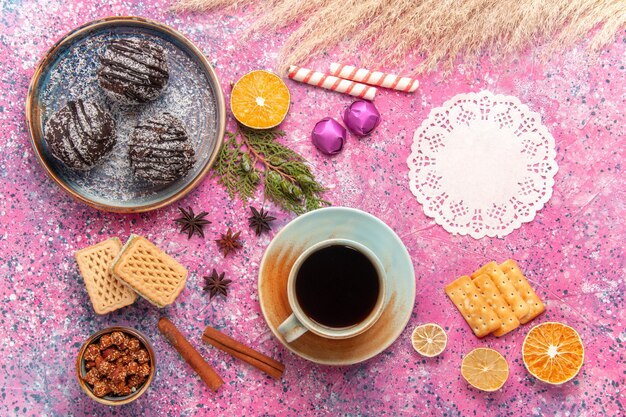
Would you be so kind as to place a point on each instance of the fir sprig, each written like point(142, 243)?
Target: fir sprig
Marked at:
point(249, 157)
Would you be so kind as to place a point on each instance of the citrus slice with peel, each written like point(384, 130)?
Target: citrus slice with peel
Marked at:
point(260, 100)
point(485, 369)
point(553, 352)
point(429, 339)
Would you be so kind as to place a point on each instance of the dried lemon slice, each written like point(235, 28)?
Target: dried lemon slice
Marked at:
point(260, 100)
point(485, 369)
point(429, 339)
point(553, 352)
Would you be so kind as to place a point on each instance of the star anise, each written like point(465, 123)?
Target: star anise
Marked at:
point(192, 223)
point(260, 221)
point(229, 242)
point(215, 284)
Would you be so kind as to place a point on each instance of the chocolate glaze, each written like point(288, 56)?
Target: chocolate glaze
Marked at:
point(133, 71)
point(160, 151)
point(80, 134)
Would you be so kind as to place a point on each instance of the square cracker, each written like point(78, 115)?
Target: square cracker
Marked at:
point(105, 291)
point(149, 271)
point(516, 276)
point(475, 310)
point(506, 288)
point(497, 302)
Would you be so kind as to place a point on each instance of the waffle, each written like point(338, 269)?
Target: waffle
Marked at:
point(149, 271)
point(105, 291)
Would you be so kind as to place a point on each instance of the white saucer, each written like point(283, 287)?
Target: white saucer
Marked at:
point(347, 223)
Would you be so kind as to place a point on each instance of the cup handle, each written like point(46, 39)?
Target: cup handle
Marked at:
point(291, 329)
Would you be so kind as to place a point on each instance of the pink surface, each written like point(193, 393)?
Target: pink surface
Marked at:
point(572, 251)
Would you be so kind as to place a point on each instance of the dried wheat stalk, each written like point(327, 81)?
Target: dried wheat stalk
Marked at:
point(385, 31)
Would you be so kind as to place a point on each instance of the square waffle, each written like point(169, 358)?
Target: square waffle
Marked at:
point(105, 291)
point(149, 271)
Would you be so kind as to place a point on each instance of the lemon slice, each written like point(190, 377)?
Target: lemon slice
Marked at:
point(260, 100)
point(429, 339)
point(485, 369)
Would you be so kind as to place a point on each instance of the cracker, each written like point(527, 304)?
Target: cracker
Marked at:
point(516, 276)
point(475, 310)
point(105, 291)
point(149, 271)
point(506, 288)
point(496, 301)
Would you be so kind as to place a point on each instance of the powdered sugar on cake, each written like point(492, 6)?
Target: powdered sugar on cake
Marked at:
point(189, 97)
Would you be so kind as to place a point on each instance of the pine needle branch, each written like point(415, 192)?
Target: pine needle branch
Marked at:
point(249, 157)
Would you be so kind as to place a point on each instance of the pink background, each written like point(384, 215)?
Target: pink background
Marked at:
point(573, 250)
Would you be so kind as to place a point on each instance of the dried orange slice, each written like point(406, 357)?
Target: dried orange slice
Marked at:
point(553, 352)
point(260, 100)
point(485, 369)
point(429, 339)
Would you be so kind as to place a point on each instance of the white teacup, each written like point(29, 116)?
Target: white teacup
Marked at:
point(299, 323)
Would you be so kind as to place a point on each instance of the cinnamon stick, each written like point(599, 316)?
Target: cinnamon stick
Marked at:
point(193, 358)
point(229, 345)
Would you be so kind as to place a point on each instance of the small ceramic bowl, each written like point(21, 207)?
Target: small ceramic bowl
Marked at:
point(110, 399)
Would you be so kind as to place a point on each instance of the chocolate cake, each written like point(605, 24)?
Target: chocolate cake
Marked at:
point(80, 134)
point(160, 150)
point(133, 70)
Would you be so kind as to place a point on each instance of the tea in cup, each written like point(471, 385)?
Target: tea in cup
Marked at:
point(336, 289)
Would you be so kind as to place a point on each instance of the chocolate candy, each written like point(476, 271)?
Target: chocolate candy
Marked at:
point(361, 117)
point(328, 136)
point(133, 70)
point(160, 151)
point(80, 134)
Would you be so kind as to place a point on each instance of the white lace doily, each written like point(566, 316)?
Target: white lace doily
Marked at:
point(482, 164)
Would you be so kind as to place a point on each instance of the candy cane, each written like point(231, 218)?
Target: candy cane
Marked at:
point(376, 78)
point(329, 82)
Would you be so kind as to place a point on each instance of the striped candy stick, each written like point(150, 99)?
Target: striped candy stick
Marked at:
point(330, 82)
point(376, 78)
